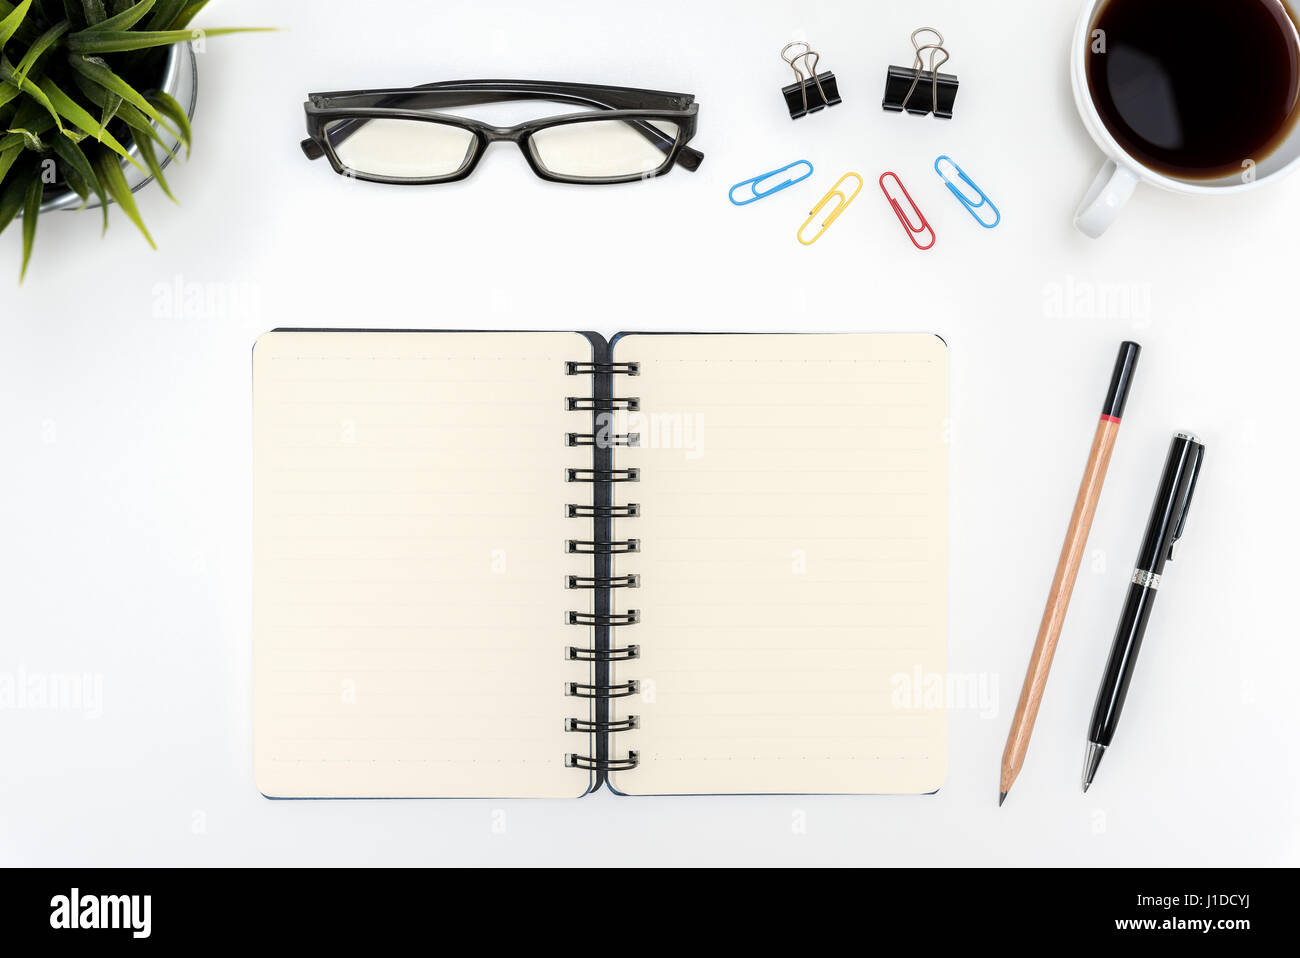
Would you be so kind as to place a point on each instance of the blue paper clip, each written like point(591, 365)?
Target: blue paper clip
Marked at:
point(756, 195)
point(965, 200)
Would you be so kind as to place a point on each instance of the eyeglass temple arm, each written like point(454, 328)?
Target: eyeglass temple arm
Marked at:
point(424, 98)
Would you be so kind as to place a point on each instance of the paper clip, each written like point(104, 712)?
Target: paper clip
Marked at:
point(966, 200)
point(835, 194)
point(756, 194)
point(913, 231)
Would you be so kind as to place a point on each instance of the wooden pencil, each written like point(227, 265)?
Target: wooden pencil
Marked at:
point(1067, 569)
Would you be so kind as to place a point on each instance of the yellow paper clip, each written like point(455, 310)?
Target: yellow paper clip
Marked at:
point(843, 201)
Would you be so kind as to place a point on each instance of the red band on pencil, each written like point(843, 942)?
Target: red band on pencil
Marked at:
point(1114, 419)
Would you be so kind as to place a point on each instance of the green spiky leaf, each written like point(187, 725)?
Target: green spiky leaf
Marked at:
point(96, 71)
point(10, 24)
point(127, 19)
point(8, 157)
point(136, 122)
point(38, 49)
point(14, 195)
point(169, 107)
point(139, 124)
point(155, 167)
point(118, 41)
point(77, 183)
point(31, 212)
point(188, 13)
point(95, 12)
point(77, 115)
point(33, 90)
point(28, 28)
point(75, 161)
point(110, 174)
point(108, 108)
point(164, 15)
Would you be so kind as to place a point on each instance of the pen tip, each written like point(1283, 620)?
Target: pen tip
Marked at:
point(1091, 759)
point(1002, 797)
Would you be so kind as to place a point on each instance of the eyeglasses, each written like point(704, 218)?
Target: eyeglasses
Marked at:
point(397, 135)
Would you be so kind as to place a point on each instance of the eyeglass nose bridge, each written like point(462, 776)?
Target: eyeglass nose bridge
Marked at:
point(504, 134)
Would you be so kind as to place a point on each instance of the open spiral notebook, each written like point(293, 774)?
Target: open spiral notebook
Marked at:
point(528, 564)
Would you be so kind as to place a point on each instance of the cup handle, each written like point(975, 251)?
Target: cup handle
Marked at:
point(1104, 199)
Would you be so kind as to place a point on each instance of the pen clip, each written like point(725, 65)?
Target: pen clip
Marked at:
point(1187, 497)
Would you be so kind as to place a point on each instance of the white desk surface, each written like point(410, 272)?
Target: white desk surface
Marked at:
point(124, 420)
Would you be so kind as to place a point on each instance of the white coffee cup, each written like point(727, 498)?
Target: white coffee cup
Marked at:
point(1121, 173)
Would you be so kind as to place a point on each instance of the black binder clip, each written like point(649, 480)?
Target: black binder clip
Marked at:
point(902, 83)
point(811, 91)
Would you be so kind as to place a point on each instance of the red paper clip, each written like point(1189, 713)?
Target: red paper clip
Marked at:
point(912, 231)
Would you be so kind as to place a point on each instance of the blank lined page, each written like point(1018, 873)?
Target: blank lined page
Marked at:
point(793, 563)
point(410, 564)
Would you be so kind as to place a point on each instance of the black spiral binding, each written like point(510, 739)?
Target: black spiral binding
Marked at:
point(597, 369)
point(600, 689)
point(603, 404)
point(605, 582)
point(596, 476)
point(605, 655)
point(629, 511)
point(596, 439)
point(604, 547)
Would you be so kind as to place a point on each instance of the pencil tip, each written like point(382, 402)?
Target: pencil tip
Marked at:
point(1002, 797)
point(1085, 787)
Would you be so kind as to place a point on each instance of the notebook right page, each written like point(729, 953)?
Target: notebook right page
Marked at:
point(793, 563)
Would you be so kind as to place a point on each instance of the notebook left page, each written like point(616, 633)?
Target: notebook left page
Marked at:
point(409, 564)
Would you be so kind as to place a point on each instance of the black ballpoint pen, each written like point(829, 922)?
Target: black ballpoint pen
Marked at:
point(1168, 519)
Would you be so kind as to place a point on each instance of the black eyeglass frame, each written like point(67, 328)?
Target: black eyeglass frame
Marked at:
point(610, 103)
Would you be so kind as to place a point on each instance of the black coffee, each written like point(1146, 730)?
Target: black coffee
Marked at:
point(1196, 89)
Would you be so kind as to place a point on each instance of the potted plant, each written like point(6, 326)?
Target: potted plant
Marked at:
point(96, 98)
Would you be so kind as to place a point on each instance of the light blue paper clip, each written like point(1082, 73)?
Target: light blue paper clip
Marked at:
point(966, 201)
point(753, 184)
